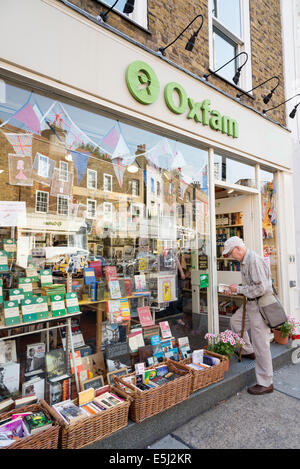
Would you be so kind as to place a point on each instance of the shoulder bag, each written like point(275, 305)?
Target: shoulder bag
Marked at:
point(271, 309)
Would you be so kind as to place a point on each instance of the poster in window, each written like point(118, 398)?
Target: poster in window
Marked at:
point(42, 169)
point(166, 288)
point(20, 170)
point(61, 186)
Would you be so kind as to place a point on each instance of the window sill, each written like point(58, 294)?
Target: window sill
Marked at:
point(244, 93)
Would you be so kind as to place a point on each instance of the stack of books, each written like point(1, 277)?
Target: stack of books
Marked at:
point(20, 425)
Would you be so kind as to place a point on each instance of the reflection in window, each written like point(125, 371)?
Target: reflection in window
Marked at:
point(234, 172)
point(42, 201)
point(62, 205)
point(91, 179)
point(91, 208)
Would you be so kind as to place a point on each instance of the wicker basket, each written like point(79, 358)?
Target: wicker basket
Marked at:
point(93, 428)
point(207, 376)
point(145, 404)
point(44, 439)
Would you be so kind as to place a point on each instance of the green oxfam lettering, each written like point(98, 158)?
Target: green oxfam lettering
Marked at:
point(144, 86)
point(142, 82)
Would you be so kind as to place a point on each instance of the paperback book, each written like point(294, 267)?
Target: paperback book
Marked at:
point(35, 359)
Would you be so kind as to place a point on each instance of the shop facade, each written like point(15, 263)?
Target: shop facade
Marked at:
point(111, 155)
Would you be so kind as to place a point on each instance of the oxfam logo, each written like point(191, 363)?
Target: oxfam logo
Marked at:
point(142, 82)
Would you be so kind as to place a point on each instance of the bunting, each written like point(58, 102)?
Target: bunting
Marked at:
point(25, 116)
point(119, 169)
point(80, 160)
point(21, 143)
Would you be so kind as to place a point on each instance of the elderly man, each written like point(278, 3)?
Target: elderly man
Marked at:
point(256, 281)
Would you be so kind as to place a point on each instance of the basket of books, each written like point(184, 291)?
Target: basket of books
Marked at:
point(155, 389)
point(29, 427)
point(94, 415)
point(206, 368)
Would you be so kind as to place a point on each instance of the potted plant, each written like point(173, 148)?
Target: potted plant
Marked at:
point(224, 343)
point(287, 329)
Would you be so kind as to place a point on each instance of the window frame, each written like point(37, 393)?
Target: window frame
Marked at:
point(63, 173)
point(137, 183)
point(243, 44)
point(65, 197)
point(36, 197)
point(111, 182)
point(87, 209)
point(96, 178)
point(107, 216)
point(138, 17)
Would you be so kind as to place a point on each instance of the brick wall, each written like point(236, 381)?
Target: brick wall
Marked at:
point(167, 19)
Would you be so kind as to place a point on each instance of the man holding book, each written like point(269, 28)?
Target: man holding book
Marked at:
point(256, 281)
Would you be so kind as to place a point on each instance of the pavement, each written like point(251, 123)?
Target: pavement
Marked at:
point(245, 421)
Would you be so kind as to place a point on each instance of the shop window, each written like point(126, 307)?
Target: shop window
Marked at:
point(43, 166)
point(92, 179)
point(42, 201)
point(107, 182)
point(91, 208)
point(233, 171)
point(62, 205)
point(229, 35)
point(107, 210)
point(139, 14)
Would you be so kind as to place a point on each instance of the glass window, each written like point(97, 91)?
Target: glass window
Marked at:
point(139, 14)
point(224, 50)
point(269, 224)
point(228, 12)
point(135, 222)
point(41, 201)
point(234, 172)
point(92, 179)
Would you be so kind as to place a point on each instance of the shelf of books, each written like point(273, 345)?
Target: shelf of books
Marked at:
point(227, 225)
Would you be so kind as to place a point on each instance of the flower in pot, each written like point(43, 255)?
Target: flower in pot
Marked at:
point(281, 334)
point(224, 343)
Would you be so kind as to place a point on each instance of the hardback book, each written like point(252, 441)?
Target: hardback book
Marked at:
point(25, 400)
point(34, 386)
point(145, 316)
point(110, 272)
point(36, 422)
point(56, 365)
point(69, 411)
point(114, 289)
point(35, 358)
point(8, 351)
point(89, 275)
point(165, 329)
point(9, 379)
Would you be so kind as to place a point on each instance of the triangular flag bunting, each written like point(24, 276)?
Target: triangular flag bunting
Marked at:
point(22, 143)
point(80, 160)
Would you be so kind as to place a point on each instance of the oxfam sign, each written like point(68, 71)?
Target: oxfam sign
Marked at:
point(144, 86)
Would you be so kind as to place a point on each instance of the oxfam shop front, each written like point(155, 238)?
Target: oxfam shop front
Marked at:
point(123, 194)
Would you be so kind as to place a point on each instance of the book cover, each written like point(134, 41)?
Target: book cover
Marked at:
point(8, 352)
point(156, 347)
point(28, 310)
point(110, 272)
point(114, 289)
point(72, 303)
point(69, 411)
point(125, 309)
point(3, 261)
point(35, 358)
point(110, 333)
point(34, 386)
point(140, 283)
point(9, 379)
point(145, 316)
point(46, 277)
point(26, 284)
point(185, 351)
point(127, 282)
point(113, 308)
point(36, 422)
point(57, 305)
point(89, 275)
point(56, 392)
point(56, 364)
point(78, 361)
point(136, 340)
point(165, 329)
point(25, 400)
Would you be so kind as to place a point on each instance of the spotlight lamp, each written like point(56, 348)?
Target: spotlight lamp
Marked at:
point(292, 113)
point(128, 8)
point(266, 98)
point(191, 42)
point(236, 77)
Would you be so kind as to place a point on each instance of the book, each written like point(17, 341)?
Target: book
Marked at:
point(46, 277)
point(28, 310)
point(136, 340)
point(36, 422)
point(15, 428)
point(162, 370)
point(35, 358)
point(56, 365)
point(122, 287)
point(110, 272)
point(145, 316)
point(89, 275)
point(6, 405)
point(185, 352)
point(69, 411)
point(156, 346)
point(3, 261)
point(78, 362)
point(108, 400)
point(72, 303)
point(118, 310)
point(140, 283)
point(8, 351)
point(211, 361)
point(26, 284)
point(183, 344)
point(114, 289)
point(11, 313)
point(86, 396)
point(110, 333)
point(149, 374)
point(34, 386)
point(127, 282)
point(57, 305)
point(165, 329)
point(197, 356)
point(25, 400)
point(77, 337)
point(145, 352)
point(9, 379)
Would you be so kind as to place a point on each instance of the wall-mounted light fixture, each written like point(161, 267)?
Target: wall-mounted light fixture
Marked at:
point(292, 113)
point(128, 8)
point(236, 77)
point(266, 98)
point(191, 42)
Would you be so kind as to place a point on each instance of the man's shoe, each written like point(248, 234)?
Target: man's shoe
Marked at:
point(258, 389)
point(251, 356)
